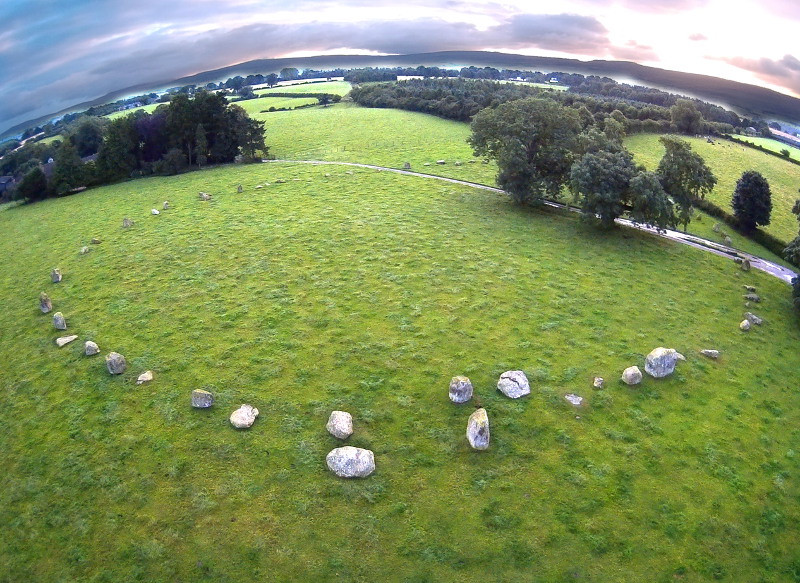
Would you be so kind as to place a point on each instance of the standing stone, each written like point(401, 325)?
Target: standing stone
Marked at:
point(115, 363)
point(351, 462)
point(478, 429)
point(145, 377)
point(632, 375)
point(127, 223)
point(59, 322)
point(598, 382)
point(574, 399)
point(407, 166)
point(55, 275)
point(202, 399)
point(727, 240)
point(64, 340)
point(460, 389)
point(154, 212)
point(753, 319)
point(340, 424)
point(239, 189)
point(513, 384)
point(752, 298)
point(745, 264)
point(710, 353)
point(244, 416)
point(716, 228)
point(661, 362)
point(90, 348)
point(85, 250)
point(45, 305)
point(166, 205)
point(744, 326)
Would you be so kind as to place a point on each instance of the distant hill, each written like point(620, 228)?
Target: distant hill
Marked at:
point(749, 100)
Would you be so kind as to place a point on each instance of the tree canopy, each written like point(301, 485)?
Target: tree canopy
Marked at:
point(684, 176)
point(752, 200)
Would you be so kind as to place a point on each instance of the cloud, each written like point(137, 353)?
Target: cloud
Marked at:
point(654, 6)
point(783, 72)
point(697, 36)
point(784, 8)
point(633, 51)
point(570, 33)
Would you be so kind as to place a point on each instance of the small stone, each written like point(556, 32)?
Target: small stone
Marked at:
point(327, 175)
point(744, 325)
point(458, 164)
point(202, 399)
point(598, 382)
point(59, 322)
point(244, 417)
point(716, 228)
point(351, 462)
point(749, 288)
point(96, 241)
point(154, 212)
point(64, 340)
point(753, 319)
point(239, 189)
point(745, 264)
point(478, 429)
point(710, 353)
point(166, 205)
point(752, 298)
point(204, 196)
point(727, 240)
point(280, 181)
point(116, 363)
point(632, 375)
point(574, 399)
point(45, 304)
point(661, 362)
point(460, 389)
point(513, 384)
point(441, 162)
point(406, 165)
point(340, 424)
point(85, 250)
point(426, 164)
point(55, 276)
point(126, 223)
point(90, 348)
point(145, 377)
point(349, 172)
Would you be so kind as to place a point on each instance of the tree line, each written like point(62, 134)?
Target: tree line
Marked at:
point(186, 132)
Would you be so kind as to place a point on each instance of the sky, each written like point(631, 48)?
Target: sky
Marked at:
point(56, 53)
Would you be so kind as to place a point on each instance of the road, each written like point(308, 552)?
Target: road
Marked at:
point(775, 270)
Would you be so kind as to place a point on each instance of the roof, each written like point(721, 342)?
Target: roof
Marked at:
point(6, 179)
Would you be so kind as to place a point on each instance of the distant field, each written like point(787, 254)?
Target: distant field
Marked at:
point(334, 87)
point(772, 145)
point(384, 137)
point(367, 291)
point(148, 108)
point(256, 106)
point(728, 161)
point(51, 139)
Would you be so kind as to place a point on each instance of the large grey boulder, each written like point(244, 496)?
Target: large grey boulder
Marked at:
point(90, 348)
point(661, 362)
point(45, 304)
point(115, 363)
point(351, 462)
point(202, 399)
point(340, 424)
point(632, 375)
point(244, 417)
point(55, 276)
point(460, 389)
point(513, 384)
point(59, 322)
point(478, 429)
point(64, 340)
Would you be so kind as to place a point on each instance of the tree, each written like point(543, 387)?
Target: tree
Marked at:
point(686, 117)
point(532, 141)
point(792, 254)
point(119, 155)
point(33, 187)
point(200, 146)
point(67, 174)
point(752, 200)
point(87, 134)
point(289, 73)
point(602, 180)
point(684, 176)
point(650, 205)
point(271, 79)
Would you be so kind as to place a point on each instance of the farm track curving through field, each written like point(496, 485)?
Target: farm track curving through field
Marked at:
point(782, 273)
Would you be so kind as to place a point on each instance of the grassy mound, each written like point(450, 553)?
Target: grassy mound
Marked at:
point(367, 291)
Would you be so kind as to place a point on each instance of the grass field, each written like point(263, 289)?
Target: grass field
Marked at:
point(147, 108)
point(772, 145)
point(253, 107)
point(385, 137)
point(728, 161)
point(367, 291)
point(333, 87)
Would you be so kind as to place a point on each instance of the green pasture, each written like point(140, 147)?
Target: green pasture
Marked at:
point(728, 161)
point(253, 107)
point(367, 291)
point(334, 87)
point(51, 139)
point(346, 132)
point(146, 108)
point(771, 145)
